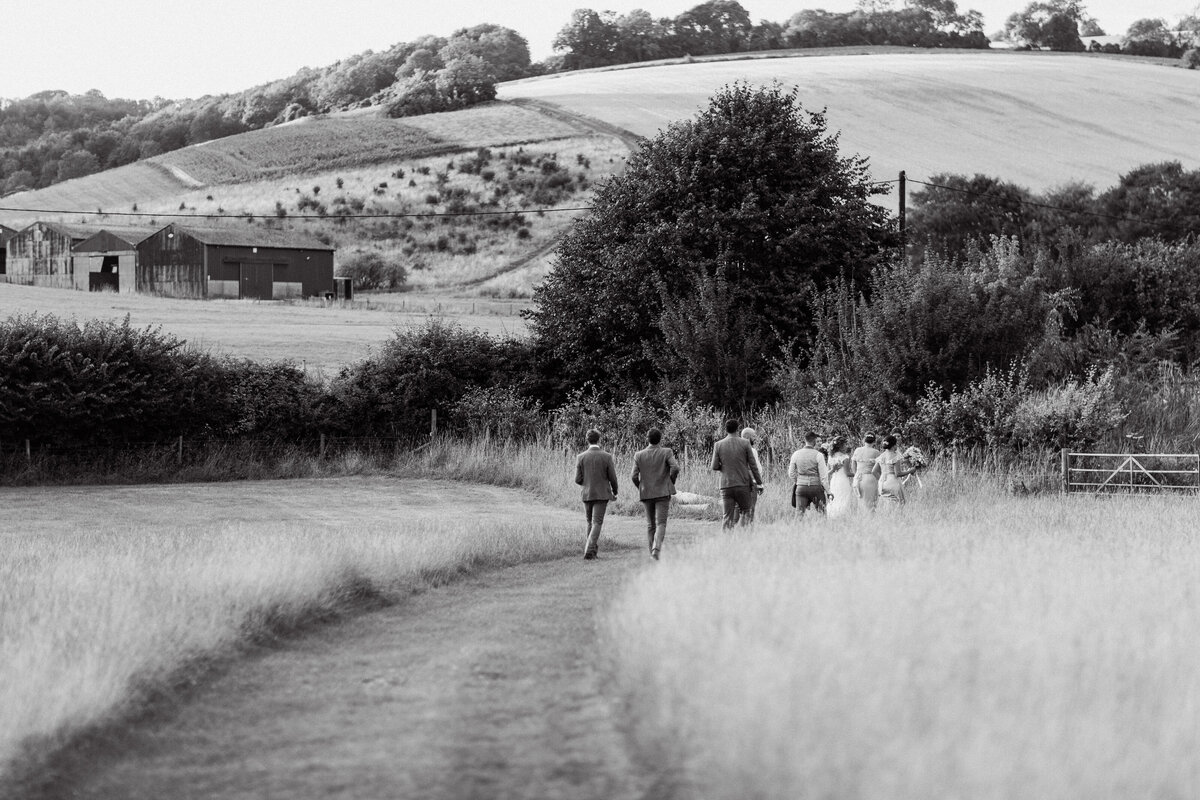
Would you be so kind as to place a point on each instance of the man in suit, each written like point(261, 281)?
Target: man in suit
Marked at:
point(654, 472)
point(596, 472)
point(734, 459)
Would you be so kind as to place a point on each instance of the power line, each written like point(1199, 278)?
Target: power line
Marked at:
point(333, 217)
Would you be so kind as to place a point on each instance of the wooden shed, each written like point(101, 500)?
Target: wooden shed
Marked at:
point(107, 260)
point(6, 233)
point(236, 262)
point(42, 254)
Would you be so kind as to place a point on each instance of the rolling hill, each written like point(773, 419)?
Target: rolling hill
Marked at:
point(1036, 119)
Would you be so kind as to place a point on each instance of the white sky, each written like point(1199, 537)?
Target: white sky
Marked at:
point(187, 48)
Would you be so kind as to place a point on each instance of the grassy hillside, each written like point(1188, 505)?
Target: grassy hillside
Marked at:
point(1038, 119)
point(322, 175)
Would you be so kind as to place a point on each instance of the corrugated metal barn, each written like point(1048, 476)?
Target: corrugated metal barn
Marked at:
point(41, 255)
point(235, 262)
point(108, 259)
point(6, 233)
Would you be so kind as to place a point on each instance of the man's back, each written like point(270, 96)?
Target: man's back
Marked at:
point(655, 469)
point(596, 472)
point(734, 460)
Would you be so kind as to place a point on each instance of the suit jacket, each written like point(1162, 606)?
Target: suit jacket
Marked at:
point(596, 472)
point(654, 472)
point(734, 459)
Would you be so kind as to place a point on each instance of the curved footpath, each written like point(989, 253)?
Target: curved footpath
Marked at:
point(490, 687)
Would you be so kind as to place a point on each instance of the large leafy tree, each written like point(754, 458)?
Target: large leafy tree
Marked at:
point(752, 190)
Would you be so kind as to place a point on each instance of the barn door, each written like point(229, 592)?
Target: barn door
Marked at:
point(256, 282)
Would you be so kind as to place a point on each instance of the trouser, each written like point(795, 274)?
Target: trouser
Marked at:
point(656, 521)
point(736, 503)
point(753, 503)
point(594, 509)
point(810, 496)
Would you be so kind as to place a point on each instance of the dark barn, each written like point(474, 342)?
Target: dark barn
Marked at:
point(108, 259)
point(42, 255)
point(6, 233)
point(246, 263)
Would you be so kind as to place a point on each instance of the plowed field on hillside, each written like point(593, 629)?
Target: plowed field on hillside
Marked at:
point(1037, 119)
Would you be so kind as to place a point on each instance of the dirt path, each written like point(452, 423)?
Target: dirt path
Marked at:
point(488, 688)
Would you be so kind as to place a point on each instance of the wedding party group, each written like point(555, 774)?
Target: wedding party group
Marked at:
point(827, 479)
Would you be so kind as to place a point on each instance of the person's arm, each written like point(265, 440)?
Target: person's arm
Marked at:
point(612, 476)
point(848, 467)
point(579, 471)
point(672, 465)
point(716, 459)
point(792, 469)
point(823, 472)
point(876, 468)
point(752, 462)
point(636, 475)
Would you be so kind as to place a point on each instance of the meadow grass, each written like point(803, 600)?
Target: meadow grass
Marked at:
point(98, 612)
point(968, 645)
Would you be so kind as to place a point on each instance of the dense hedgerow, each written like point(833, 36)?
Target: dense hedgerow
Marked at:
point(392, 392)
point(108, 383)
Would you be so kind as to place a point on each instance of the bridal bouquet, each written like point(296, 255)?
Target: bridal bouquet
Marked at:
point(916, 459)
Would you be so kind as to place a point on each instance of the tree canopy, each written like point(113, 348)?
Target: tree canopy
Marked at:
point(748, 206)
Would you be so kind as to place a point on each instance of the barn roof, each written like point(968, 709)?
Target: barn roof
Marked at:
point(251, 236)
point(6, 233)
point(75, 232)
point(114, 239)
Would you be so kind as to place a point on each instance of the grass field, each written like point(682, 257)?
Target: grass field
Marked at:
point(109, 594)
point(971, 646)
point(1036, 119)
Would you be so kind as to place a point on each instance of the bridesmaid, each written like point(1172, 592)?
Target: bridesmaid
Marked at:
point(866, 485)
point(890, 467)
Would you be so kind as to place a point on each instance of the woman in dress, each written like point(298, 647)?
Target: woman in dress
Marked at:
point(866, 485)
point(840, 470)
point(890, 467)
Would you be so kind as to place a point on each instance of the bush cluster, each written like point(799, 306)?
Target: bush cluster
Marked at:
point(106, 383)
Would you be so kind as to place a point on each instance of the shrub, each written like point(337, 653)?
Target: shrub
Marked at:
point(370, 270)
point(1076, 413)
point(431, 367)
point(499, 411)
point(103, 383)
point(1191, 58)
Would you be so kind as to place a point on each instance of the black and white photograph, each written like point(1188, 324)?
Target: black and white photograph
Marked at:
point(659, 400)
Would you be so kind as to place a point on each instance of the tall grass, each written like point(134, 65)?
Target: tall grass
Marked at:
point(974, 647)
point(92, 621)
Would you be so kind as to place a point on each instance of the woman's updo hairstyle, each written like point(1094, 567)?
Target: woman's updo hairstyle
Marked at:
point(890, 441)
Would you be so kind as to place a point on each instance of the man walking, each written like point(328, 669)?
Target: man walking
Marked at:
point(809, 474)
point(596, 472)
point(654, 472)
point(734, 459)
point(751, 436)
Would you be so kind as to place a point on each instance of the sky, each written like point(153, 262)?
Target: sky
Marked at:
point(141, 49)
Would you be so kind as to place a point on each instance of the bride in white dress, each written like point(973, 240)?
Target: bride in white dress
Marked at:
point(840, 470)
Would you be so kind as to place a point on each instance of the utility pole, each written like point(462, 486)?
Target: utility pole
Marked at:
point(903, 208)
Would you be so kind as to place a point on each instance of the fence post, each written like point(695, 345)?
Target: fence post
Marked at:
point(954, 464)
point(432, 423)
point(1066, 471)
point(179, 452)
point(28, 454)
point(321, 451)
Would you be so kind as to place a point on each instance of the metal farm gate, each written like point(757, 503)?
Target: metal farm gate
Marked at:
point(1111, 473)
